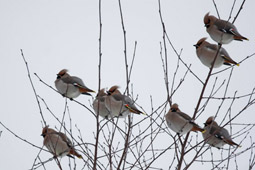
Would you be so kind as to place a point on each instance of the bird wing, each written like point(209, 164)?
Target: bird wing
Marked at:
point(219, 133)
point(65, 139)
point(211, 47)
point(78, 81)
point(224, 134)
point(226, 27)
point(185, 116)
point(227, 58)
point(73, 80)
point(128, 100)
point(118, 97)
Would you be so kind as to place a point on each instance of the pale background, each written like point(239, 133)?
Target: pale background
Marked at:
point(64, 34)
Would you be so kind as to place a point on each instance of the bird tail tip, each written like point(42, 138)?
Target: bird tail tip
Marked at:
point(79, 156)
point(73, 152)
point(240, 38)
point(197, 128)
point(245, 38)
point(145, 114)
point(133, 110)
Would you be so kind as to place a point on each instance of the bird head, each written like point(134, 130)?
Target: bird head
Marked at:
point(174, 107)
point(200, 42)
point(62, 73)
point(112, 90)
point(209, 20)
point(209, 121)
point(101, 93)
point(45, 131)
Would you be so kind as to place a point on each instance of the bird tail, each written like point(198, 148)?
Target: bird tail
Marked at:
point(73, 152)
point(196, 128)
point(230, 142)
point(86, 90)
point(240, 38)
point(229, 61)
point(134, 110)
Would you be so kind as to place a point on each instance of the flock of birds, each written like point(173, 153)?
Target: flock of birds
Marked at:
point(112, 103)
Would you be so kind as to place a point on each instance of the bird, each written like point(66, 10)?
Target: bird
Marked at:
point(58, 143)
point(215, 135)
point(99, 103)
point(70, 86)
point(180, 122)
point(206, 52)
point(119, 104)
point(221, 31)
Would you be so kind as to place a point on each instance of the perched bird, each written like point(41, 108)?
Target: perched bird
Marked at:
point(58, 143)
point(120, 105)
point(206, 52)
point(180, 122)
point(215, 135)
point(70, 86)
point(221, 31)
point(99, 103)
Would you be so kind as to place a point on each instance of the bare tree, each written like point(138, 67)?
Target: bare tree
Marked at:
point(131, 144)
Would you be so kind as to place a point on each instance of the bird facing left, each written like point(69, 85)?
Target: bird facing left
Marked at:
point(70, 86)
point(58, 143)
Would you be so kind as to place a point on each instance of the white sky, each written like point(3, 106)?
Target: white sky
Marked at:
point(64, 34)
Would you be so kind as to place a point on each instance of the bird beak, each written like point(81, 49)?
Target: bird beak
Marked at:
point(195, 45)
point(108, 93)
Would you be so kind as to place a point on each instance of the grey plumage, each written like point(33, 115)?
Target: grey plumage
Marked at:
point(215, 135)
point(70, 86)
point(206, 52)
point(99, 103)
point(180, 122)
point(221, 31)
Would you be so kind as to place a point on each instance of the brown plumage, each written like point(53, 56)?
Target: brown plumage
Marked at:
point(180, 122)
point(58, 143)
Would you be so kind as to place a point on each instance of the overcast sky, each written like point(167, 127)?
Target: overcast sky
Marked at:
point(64, 34)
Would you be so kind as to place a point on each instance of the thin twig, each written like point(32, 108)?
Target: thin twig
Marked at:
point(31, 82)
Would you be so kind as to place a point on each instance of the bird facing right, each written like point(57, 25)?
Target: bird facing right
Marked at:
point(99, 104)
point(206, 52)
point(215, 135)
